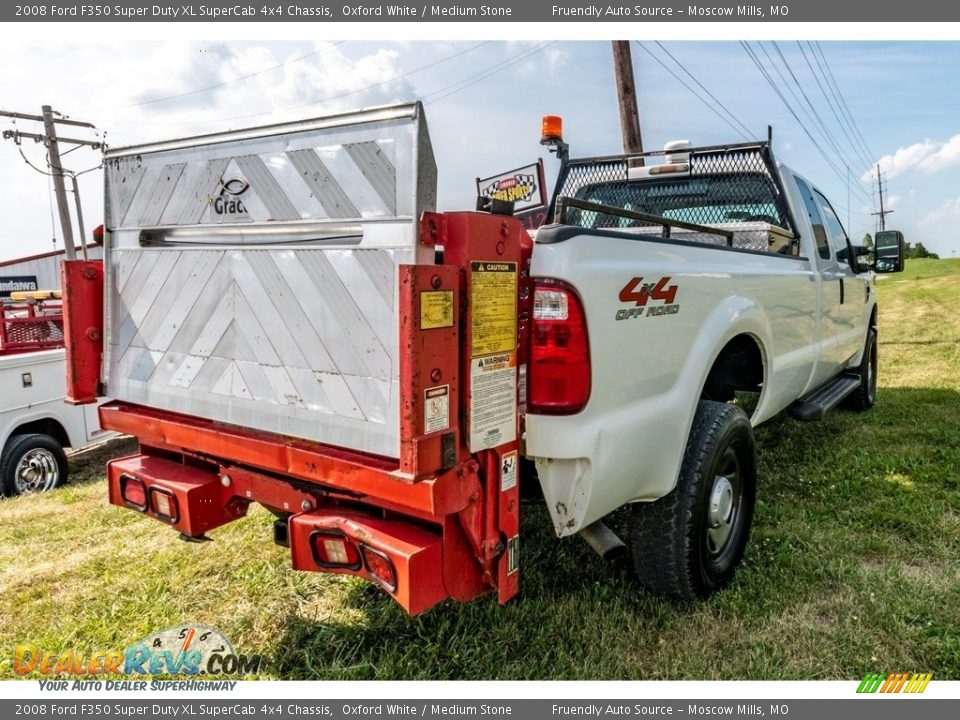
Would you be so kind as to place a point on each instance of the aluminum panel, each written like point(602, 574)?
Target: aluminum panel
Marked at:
point(252, 275)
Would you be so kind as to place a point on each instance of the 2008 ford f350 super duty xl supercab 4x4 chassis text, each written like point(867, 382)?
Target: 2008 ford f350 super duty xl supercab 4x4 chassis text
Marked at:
point(288, 322)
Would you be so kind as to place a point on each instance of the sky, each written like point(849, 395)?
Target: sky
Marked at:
point(846, 107)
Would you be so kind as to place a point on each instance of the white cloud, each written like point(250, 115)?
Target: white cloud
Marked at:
point(947, 155)
point(894, 201)
point(928, 156)
point(904, 159)
point(949, 209)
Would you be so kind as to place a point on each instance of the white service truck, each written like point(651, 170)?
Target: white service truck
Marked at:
point(288, 322)
point(35, 422)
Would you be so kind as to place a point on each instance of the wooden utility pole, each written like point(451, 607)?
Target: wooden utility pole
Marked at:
point(883, 213)
point(627, 97)
point(52, 143)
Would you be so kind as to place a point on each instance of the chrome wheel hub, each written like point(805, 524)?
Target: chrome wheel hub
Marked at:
point(37, 471)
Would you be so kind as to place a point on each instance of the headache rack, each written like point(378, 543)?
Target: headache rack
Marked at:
point(733, 186)
point(31, 322)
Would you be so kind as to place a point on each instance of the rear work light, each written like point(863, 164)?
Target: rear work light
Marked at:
point(133, 492)
point(334, 550)
point(164, 504)
point(380, 567)
point(558, 379)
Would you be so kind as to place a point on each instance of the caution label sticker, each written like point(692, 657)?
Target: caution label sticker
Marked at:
point(436, 309)
point(493, 307)
point(436, 409)
point(493, 401)
point(508, 471)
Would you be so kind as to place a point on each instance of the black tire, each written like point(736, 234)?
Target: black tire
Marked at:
point(32, 463)
point(674, 551)
point(865, 396)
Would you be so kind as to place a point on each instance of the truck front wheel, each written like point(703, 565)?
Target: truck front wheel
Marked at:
point(32, 463)
point(688, 543)
point(864, 396)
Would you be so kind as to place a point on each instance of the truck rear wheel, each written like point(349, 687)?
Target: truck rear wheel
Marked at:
point(32, 463)
point(688, 544)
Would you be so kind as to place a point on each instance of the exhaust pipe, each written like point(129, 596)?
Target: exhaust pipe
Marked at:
point(604, 541)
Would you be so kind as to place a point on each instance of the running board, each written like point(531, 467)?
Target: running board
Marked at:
point(826, 397)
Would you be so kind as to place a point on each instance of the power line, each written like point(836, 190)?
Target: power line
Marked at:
point(789, 107)
point(329, 98)
point(843, 102)
point(816, 116)
point(227, 82)
point(841, 122)
point(484, 74)
point(694, 92)
point(712, 96)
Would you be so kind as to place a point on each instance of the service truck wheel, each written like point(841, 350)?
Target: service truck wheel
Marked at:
point(864, 396)
point(688, 544)
point(32, 463)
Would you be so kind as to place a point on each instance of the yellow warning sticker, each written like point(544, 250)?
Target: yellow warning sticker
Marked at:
point(493, 307)
point(436, 309)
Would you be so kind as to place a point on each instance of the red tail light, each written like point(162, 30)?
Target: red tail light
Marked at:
point(334, 550)
point(380, 567)
point(133, 492)
point(558, 381)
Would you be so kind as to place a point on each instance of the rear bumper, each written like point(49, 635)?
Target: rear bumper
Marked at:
point(433, 531)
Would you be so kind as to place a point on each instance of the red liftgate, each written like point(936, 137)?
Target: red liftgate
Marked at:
point(440, 522)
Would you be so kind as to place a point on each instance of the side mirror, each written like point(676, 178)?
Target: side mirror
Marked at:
point(889, 250)
point(860, 251)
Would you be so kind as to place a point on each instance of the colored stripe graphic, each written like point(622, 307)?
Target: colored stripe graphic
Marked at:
point(894, 683)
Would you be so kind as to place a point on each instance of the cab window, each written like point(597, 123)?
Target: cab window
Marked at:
point(835, 231)
point(813, 212)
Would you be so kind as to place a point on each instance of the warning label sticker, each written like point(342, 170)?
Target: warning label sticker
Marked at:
point(436, 309)
point(508, 471)
point(493, 307)
point(493, 401)
point(436, 409)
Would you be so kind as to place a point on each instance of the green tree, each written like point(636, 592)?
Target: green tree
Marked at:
point(868, 241)
point(919, 251)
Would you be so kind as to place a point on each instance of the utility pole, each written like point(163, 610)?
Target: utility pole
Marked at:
point(848, 198)
point(52, 143)
point(627, 98)
point(53, 158)
point(883, 213)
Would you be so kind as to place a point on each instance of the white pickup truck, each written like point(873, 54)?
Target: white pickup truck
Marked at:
point(35, 423)
point(288, 322)
point(767, 296)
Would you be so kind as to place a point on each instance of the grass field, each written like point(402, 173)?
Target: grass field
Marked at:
point(853, 566)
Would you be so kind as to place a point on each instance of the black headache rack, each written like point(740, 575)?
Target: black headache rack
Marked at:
point(744, 173)
point(571, 211)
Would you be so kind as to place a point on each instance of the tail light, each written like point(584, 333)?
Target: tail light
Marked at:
point(164, 504)
point(558, 379)
point(334, 550)
point(380, 567)
point(133, 492)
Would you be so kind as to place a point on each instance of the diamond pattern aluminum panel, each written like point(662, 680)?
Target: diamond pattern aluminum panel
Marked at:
point(282, 341)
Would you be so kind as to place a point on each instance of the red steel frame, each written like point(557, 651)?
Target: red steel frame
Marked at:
point(24, 329)
point(439, 512)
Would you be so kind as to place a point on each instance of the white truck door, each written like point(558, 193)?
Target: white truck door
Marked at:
point(850, 310)
point(831, 287)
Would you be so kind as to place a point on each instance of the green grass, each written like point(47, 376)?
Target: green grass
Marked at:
point(853, 566)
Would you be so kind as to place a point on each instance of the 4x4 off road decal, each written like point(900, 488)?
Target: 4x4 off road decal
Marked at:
point(644, 297)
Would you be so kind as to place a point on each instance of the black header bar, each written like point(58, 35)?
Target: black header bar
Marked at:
point(488, 11)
